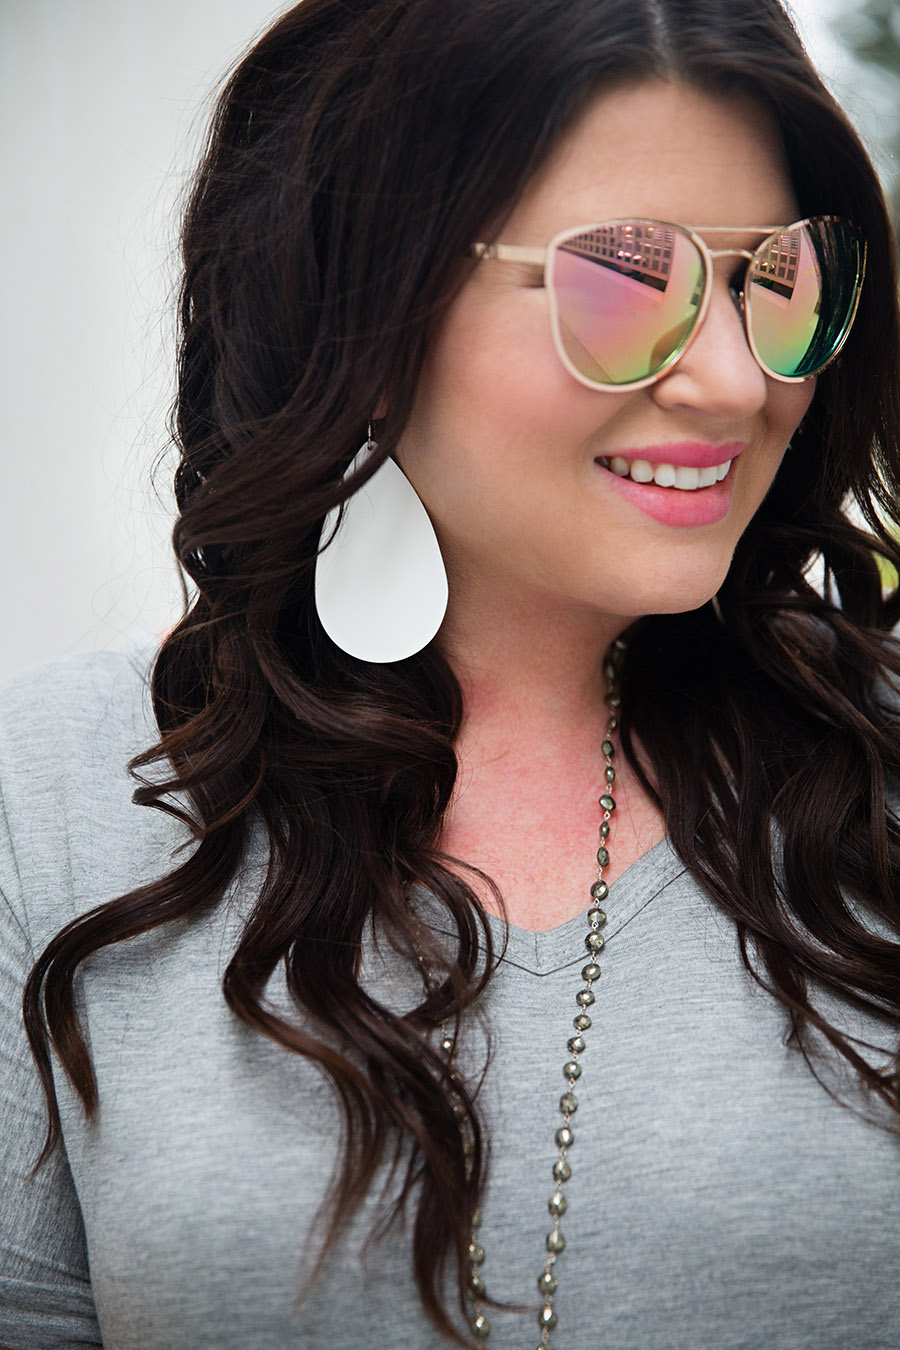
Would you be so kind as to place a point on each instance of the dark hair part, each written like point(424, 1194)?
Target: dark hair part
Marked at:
point(356, 153)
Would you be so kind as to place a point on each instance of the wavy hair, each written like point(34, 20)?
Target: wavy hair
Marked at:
point(355, 154)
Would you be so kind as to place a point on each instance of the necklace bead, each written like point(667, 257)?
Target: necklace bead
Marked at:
point(557, 1205)
point(568, 1103)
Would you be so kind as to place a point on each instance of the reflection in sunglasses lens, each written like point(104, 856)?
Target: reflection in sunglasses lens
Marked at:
point(627, 294)
point(801, 295)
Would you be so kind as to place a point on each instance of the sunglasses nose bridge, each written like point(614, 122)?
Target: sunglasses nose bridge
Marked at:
point(738, 296)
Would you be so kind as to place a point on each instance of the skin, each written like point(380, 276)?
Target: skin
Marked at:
point(546, 561)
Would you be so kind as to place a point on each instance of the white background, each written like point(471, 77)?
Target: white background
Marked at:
point(103, 105)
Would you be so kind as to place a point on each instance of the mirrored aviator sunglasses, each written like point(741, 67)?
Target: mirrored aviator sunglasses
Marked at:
point(628, 296)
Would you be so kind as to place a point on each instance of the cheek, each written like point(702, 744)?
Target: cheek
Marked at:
point(788, 405)
point(482, 385)
point(496, 391)
point(494, 365)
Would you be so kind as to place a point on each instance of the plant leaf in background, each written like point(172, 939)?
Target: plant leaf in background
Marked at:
point(871, 31)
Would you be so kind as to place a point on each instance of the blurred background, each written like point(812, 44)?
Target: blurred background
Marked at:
point(103, 105)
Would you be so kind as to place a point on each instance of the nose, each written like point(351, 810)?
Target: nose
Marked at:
point(718, 374)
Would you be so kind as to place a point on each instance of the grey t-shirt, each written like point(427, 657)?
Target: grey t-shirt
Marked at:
point(719, 1197)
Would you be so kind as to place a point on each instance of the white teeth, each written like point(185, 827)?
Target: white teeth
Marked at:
point(687, 478)
point(683, 476)
point(641, 471)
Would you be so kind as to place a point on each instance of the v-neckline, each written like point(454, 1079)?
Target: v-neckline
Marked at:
point(544, 951)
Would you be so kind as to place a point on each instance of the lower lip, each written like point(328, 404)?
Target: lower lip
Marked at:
point(673, 506)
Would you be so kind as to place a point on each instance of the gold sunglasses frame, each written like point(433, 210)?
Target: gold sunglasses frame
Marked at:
point(545, 258)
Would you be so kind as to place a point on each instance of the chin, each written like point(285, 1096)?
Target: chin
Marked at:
point(677, 593)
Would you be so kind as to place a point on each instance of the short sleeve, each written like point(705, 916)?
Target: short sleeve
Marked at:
point(45, 1290)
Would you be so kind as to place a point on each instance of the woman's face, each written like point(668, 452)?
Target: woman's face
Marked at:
point(511, 454)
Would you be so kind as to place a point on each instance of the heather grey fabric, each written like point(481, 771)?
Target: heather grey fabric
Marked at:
point(719, 1197)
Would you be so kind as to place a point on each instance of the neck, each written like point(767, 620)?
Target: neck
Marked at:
point(525, 807)
point(528, 677)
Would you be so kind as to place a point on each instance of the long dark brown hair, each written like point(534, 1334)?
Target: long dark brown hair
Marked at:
point(356, 153)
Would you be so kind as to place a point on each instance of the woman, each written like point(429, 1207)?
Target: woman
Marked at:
point(542, 257)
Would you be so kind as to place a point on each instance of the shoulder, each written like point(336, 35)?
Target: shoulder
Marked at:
point(65, 695)
point(70, 836)
point(80, 717)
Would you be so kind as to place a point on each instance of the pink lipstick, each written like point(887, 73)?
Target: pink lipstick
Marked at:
point(685, 483)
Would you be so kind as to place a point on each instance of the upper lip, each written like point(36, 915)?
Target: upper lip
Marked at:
point(691, 454)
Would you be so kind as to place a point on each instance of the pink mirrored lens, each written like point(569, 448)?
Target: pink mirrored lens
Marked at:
point(802, 290)
point(627, 296)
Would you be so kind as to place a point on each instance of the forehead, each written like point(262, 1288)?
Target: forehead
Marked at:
point(662, 150)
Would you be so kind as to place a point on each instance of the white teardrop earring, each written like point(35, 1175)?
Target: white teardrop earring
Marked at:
point(381, 585)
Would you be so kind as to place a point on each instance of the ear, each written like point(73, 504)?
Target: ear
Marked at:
point(381, 408)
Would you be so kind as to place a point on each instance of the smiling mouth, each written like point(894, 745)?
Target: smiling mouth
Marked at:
point(684, 477)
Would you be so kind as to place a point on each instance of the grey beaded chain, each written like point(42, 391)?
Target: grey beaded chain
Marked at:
point(576, 1045)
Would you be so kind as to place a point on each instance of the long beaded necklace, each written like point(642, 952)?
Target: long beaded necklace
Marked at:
point(568, 1103)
